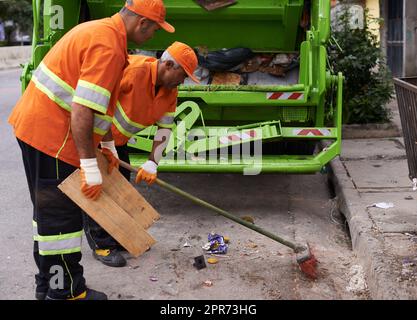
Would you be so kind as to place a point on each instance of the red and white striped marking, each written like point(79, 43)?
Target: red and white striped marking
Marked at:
point(238, 136)
point(312, 132)
point(285, 95)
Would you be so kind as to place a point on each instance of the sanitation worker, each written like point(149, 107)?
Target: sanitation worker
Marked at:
point(148, 96)
point(59, 122)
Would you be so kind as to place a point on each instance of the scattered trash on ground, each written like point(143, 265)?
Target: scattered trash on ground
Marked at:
point(186, 245)
point(208, 283)
point(249, 219)
point(199, 262)
point(215, 244)
point(357, 282)
point(251, 244)
point(153, 278)
point(212, 260)
point(415, 184)
point(382, 205)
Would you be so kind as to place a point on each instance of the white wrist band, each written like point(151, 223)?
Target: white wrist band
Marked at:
point(111, 146)
point(91, 171)
point(150, 167)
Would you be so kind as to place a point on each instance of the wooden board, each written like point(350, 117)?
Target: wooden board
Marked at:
point(126, 196)
point(109, 211)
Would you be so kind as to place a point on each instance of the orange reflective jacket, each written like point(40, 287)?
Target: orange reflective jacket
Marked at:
point(84, 67)
point(139, 105)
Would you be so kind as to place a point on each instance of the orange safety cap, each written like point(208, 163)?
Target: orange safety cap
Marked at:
point(151, 9)
point(186, 58)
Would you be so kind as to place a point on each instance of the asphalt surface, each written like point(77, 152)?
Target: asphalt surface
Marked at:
point(298, 208)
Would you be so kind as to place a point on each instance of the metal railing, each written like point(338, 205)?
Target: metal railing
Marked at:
point(406, 89)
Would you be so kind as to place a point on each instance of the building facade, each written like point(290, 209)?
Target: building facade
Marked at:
point(397, 32)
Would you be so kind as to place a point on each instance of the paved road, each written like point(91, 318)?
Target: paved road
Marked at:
point(297, 207)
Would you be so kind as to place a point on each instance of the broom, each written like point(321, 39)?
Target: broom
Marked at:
point(305, 258)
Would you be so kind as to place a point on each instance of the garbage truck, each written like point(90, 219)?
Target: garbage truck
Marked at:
point(266, 114)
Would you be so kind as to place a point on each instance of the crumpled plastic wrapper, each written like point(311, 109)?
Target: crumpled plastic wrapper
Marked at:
point(215, 244)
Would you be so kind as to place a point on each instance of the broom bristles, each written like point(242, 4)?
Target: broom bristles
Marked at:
point(309, 267)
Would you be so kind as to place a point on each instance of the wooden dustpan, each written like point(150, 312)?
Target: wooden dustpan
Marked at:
point(121, 210)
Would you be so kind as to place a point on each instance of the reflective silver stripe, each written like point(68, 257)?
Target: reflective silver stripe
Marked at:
point(128, 128)
point(60, 244)
point(166, 120)
point(59, 92)
point(35, 231)
point(93, 96)
point(103, 124)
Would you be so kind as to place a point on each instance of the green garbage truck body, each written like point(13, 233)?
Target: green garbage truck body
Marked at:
point(265, 125)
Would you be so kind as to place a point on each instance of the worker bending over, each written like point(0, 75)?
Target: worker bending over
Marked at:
point(148, 96)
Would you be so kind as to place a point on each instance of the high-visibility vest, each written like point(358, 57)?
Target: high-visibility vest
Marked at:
point(84, 67)
point(139, 105)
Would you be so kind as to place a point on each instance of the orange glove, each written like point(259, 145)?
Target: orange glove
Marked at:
point(90, 179)
point(147, 172)
point(109, 150)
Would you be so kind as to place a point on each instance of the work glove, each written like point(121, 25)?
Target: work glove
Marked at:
point(90, 178)
point(108, 149)
point(147, 172)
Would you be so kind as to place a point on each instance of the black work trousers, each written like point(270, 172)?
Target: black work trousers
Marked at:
point(96, 236)
point(57, 226)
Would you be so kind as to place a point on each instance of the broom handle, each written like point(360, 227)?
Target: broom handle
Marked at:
point(224, 213)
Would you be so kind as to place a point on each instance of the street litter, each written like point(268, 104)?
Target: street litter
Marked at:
point(186, 245)
point(199, 262)
point(382, 205)
point(414, 184)
point(153, 278)
point(212, 260)
point(252, 244)
point(249, 219)
point(216, 244)
point(208, 283)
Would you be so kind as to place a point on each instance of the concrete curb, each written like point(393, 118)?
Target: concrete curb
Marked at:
point(371, 131)
point(367, 243)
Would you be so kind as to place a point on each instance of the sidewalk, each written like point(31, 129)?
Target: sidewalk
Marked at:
point(374, 170)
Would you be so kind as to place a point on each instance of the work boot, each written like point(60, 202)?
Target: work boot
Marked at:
point(40, 295)
point(42, 287)
point(110, 257)
point(88, 294)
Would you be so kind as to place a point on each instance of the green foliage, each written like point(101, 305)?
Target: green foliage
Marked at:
point(20, 12)
point(368, 83)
